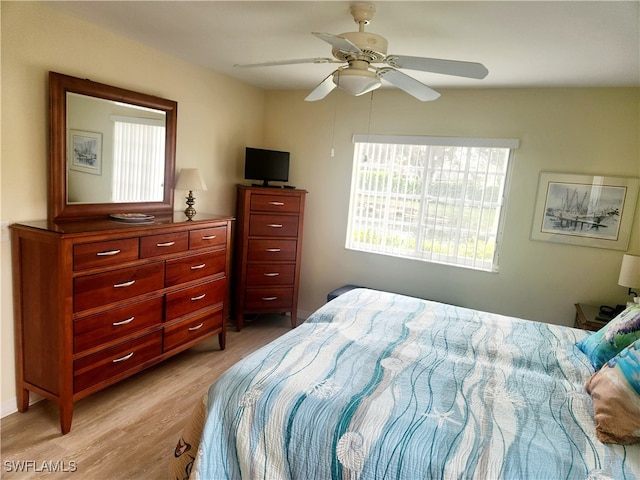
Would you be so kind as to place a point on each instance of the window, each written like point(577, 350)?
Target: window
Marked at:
point(437, 199)
point(138, 159)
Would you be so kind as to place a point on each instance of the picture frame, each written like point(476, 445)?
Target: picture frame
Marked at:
point(85, 151)
point(587, 210)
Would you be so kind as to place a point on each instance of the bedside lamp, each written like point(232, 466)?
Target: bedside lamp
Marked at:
point(190, 179)
point(630, 274)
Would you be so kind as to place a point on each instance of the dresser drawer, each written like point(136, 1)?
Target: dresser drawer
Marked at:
point(103, 288)
point(208, 237)
point(89, 332)
point(193, 267)
point(101, 366)
point(269, 298)
point(273, 225)
point(275, 203)
point(192, 299)
point(155, 245)
point(191, 329)
point(272, 250)
point(99, 254)
point(259, 274)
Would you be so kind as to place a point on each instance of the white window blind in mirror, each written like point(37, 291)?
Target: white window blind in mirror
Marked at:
point(436, 199)
point(138, 173)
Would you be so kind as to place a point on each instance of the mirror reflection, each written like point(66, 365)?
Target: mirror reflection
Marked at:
point(116, 151)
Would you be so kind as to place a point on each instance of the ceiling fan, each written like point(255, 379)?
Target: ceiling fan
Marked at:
point(361, 50)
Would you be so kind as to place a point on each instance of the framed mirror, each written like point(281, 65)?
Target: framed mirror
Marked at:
point(112, 150)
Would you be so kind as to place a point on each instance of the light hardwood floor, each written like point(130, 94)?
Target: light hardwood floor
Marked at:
point(129, 430)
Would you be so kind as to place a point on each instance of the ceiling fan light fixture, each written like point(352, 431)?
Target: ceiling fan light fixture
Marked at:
point(356, 82)
point(362, 50)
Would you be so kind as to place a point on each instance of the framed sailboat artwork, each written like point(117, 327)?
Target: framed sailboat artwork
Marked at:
point(588, 210)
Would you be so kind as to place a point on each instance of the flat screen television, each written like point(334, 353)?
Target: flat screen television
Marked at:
point(266, 165)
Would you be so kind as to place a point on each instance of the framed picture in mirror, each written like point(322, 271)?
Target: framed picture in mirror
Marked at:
point(85, 151)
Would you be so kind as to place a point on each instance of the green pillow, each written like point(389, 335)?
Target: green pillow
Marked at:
point(611, 339)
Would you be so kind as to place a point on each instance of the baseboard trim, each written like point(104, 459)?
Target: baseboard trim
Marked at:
point(9, 407)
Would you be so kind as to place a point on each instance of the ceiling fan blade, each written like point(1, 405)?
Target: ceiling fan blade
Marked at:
point(322, 90)
point(408, 84)
point(287, 62)
point(436, 65)
point(340, 43)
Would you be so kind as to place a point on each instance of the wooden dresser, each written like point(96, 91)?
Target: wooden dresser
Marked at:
point(268, 248)
point(99, 300)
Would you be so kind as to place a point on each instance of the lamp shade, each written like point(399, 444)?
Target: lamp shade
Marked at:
point(356, 82)
point(190, 179)
point(630, 271)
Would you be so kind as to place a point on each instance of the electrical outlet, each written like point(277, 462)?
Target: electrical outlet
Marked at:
point(4, 230)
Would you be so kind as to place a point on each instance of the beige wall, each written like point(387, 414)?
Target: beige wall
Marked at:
point(591, 131)
point(217, 117)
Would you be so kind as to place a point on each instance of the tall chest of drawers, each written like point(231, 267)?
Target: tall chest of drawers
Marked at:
point(99, 300)
point(268, 249)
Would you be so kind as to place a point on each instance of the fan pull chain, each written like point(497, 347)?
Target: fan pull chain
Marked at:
point(366, 157)
point(335, 116)
point(370, 110)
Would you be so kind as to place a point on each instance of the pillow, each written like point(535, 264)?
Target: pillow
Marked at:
point(615, 391)
point(607, 342)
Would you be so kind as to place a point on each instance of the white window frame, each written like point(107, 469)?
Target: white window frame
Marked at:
point(407, 238)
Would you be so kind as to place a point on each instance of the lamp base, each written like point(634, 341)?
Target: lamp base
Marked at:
point(190, 212)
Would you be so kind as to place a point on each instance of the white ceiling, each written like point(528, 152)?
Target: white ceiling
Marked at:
point(523, 44)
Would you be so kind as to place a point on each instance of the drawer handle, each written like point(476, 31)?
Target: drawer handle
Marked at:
point(208, 237)
point(269, 299)
point(198, 267)
point(122, 359)
point(199, 297)
point(108, 254)
point(272, 249)
point(123, 322)
point(274, 274)
point(277, 204)
point(191, 329)
point(165, 244)
point(274, 225)
point(125, 284)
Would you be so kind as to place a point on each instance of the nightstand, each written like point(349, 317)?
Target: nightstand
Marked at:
point(586, 317)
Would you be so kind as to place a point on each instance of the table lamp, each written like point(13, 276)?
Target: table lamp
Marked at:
point(190, 179)
point(630, 274)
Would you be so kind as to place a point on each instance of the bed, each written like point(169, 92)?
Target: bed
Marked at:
point(376, 385)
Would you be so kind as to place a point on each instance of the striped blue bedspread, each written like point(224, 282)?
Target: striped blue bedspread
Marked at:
point(379, 386)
